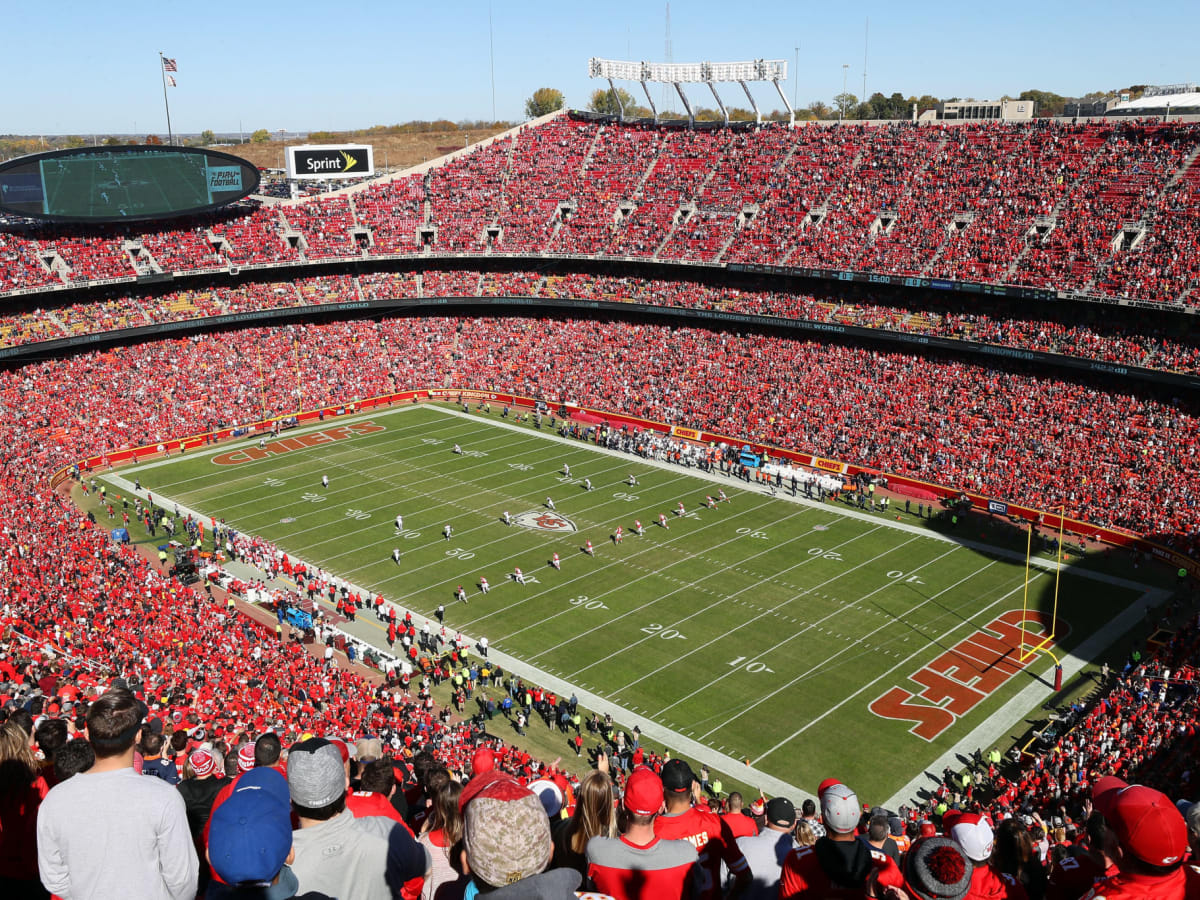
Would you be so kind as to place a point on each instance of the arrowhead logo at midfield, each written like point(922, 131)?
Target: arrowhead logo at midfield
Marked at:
point(544, 520)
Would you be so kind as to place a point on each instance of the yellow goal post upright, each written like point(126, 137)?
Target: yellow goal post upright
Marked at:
point(1028, 649)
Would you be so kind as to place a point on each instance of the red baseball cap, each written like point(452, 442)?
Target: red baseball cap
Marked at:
point(643, 792)
point(1147, 824)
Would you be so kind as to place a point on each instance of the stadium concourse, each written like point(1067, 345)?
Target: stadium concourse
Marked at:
point(85, 620)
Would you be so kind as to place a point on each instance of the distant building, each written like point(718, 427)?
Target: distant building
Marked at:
point(1003, 110)
point(1088, 108)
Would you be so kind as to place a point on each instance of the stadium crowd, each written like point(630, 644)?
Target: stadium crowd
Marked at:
point(1152, 346)
point(276, 773)
point(1001, 432)
point(1045, 205)
point(81, 612)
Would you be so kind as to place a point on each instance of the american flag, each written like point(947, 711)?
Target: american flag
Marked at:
point(169, 65)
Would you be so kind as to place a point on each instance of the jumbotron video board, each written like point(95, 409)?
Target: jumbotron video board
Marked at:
point(109, 184)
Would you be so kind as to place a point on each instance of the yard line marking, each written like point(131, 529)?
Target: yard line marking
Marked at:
point(709, 643)
point(590, 574)
point(576, 637)
point(837, 612)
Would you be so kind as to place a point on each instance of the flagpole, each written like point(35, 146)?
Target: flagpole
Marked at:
point(163, 72)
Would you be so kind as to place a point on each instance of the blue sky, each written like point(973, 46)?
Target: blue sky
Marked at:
point(301, 65)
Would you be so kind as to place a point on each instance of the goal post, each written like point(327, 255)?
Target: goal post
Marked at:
point(1028, 649)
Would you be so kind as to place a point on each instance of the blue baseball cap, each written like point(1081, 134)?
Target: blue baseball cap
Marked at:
point(250, 835)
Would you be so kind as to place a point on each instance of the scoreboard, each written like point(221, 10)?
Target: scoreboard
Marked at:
point(108, 184)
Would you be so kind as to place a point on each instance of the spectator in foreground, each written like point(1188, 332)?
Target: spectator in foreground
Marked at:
point(972, 832)
point(441, 835)
point(838, 864)
point(935, 868)
point(766, 851)
point(22, 789)
point(1152, 843)
point(638, 863)
point(506, 839)
point(250, 841)
point(335, 854)
point(685, 818)
point(135, 840)
point(593, 816)
point(199, 789)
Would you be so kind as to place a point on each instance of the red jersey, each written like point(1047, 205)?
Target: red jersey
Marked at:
point(713, 841)
point(989, 884)
point(804, 876)
point(740, 824)
point(629, 871)
point(1182, 884)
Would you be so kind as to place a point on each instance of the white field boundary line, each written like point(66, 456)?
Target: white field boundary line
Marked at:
point(667, 737)
point(923, 649)
point(993, 728)
point(778, 606)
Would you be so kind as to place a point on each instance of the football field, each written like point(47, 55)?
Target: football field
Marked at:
point(802, 638)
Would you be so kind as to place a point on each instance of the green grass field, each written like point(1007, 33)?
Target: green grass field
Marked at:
point(147, 185)
point(762, 629)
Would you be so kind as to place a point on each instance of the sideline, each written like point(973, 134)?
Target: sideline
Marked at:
point(839, 509)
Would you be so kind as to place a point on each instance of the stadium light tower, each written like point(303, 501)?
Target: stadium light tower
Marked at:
point(709, 73)
point(842, 105)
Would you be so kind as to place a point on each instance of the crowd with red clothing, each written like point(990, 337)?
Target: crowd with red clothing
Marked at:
point(211, 677)
point(1002, 432)
point(1043, 204)
point(1157, 346)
